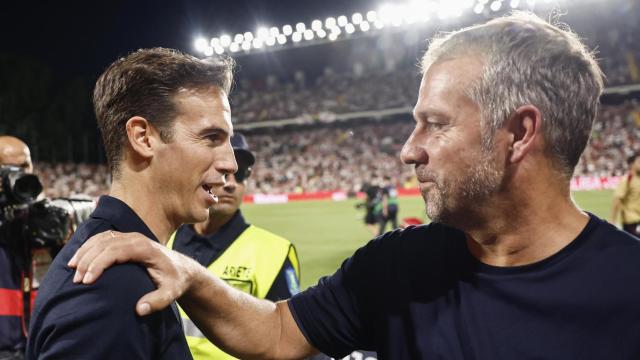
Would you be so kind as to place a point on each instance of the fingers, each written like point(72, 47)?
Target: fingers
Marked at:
point(94, 240)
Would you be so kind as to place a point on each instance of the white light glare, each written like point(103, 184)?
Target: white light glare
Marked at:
point(282, 39)
point(308, 34)
point(201, 45)
point(225, 40)
point(215, 41)
point(257, 43)
point(478, 8)
point(321, 34)
point(349, 28)
point(248, 36)
point(219, 50)
point(262, 33)
point(531, 3)
point(342, 20)
point(238, 38)
point(316, 25)
point(356, 18)
point(296, 37)
point(208, 51)
point(364, 26)
point(333, 36)
point(274, 31)
point(379, 24)
point(300, 27)
point(246, 46)
point(287, 30)
point(234, 47)
point(330, 22)
point(495, 6)
point(270, 41)
point(372, 16)
point(514, 4)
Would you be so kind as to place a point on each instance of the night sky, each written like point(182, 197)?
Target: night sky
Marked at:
point(80, 38)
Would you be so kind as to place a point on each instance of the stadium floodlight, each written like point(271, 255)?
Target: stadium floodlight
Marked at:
point(282, 39)
point(333, 36)
point(496, 5)
point(201, 44)
point(234, 47)
point(225, 40)
point(531, 3)
point(316, 25)
point(330, 22)
point(349, 28)
point(287, 30)
point(208, 51)
point(356, 18)
point(296, 37)
point(246, 45)
point(308, 34)
point(514, 4)
point(257, 43)
point(321, 33)
point(270, 41)
point(379, 24)
point(214, 41)
point(372, 16)
point(274, 31)
point(238, 38)
point(364, 26)
point(262, 33)
point(478, 8)
point(342, 20)
point(218, 49)
point(248, 36)
point(300, 27)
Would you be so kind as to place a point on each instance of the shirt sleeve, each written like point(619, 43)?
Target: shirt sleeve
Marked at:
point(337, 316)
point(99, 322)
point(621, 190)
point(286, 283)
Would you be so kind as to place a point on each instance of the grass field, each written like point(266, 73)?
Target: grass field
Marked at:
point(326, 232)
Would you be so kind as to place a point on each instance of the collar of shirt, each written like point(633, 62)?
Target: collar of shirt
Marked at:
point(206, 249)
point(121, 216)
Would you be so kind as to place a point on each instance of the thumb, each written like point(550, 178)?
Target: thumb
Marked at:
point(154, 301)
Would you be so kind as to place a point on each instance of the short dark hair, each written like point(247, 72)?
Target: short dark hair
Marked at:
point(632, 158)
point(143, 84)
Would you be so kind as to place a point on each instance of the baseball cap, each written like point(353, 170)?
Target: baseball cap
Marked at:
point(241, 150)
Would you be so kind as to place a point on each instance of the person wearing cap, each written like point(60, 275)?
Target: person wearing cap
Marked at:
point(247, 257)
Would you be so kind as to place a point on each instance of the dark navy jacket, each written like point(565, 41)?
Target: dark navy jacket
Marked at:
point(75, 321)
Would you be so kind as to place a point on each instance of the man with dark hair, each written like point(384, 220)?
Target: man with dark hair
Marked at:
point(166, 124)
point(626, 198)
point(509, 267)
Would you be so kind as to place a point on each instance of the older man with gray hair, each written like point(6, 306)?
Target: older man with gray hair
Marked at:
point(510, 267)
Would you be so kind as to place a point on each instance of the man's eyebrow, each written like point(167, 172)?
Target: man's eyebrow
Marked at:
point(211, 130)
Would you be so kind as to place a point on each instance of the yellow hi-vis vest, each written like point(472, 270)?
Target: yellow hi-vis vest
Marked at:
point(251, 264)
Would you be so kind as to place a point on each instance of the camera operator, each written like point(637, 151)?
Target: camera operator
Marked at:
point(29, 228)
point(13, 152)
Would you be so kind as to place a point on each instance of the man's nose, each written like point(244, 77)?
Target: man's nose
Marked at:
point(413, 152)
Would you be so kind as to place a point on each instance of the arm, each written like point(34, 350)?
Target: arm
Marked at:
point(238, 323)
point(615, 210)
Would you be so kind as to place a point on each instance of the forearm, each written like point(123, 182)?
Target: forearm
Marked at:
point(240, 324)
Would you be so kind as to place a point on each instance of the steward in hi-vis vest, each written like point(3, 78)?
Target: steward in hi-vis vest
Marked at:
point(247, 257)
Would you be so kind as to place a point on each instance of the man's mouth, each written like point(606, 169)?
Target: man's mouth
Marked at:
point(208, 189)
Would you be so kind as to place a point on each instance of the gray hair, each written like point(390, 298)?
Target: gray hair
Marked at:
point(527, 60)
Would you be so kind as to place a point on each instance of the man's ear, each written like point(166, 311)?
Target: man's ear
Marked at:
point(525, 126)
point(142, 136)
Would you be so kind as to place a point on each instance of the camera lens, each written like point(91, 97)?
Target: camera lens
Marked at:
point(26, 187)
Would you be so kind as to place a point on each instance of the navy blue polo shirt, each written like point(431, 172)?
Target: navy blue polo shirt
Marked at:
point(98, 321)
point(418, 293)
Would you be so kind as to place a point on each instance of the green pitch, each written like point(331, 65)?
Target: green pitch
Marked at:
point(326, 232)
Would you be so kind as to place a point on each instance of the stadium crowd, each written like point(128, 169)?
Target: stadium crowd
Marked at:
point(345, 156)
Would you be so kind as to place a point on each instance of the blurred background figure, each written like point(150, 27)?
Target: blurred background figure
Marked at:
point(626, 198)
